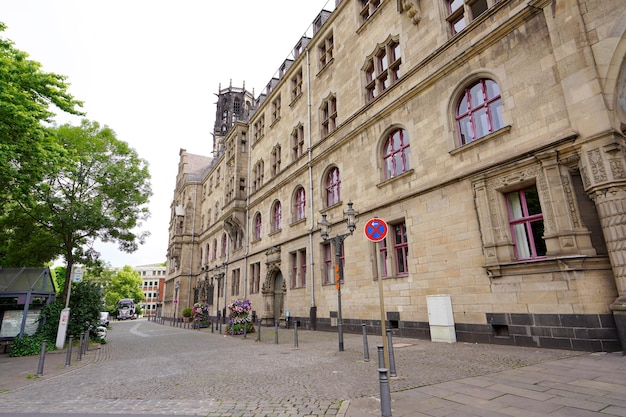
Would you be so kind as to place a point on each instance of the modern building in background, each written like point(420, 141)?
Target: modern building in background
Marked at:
point(488, 138)
point(153, 283)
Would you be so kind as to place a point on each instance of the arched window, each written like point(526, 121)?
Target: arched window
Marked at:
point(214, 248)
point(333, 187)
point(207, 254)
point(257, 226)
point(277, 216)
point(299, 204)
point(396, 153)
point(479, 111)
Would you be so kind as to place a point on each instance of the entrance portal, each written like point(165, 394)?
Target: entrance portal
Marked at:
point(279, 296)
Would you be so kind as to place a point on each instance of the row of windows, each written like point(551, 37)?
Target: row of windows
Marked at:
point(380, 70)
point(478, 113)
point(525, 222)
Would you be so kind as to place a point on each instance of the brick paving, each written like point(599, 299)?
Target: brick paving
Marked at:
point(152, 369)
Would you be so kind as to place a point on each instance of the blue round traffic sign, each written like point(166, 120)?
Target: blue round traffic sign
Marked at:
point(376, 229)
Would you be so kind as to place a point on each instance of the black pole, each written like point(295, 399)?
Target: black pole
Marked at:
point(42, 358)
point(295, 334)
point(338, 277)
point(68, 357)
point(392, 360)
point(366, 350)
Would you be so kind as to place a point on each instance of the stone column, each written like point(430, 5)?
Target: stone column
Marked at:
point(603, 168)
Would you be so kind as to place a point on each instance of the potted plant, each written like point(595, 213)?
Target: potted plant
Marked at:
point(187, 313)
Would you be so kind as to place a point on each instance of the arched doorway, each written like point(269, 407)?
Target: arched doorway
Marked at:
point(279, 296)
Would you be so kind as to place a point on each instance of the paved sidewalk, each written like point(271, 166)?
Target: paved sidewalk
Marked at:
point(580, 386)
point(572, 384)
point(22, 371)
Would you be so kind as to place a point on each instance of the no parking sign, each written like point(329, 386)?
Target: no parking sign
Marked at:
point(376, 229)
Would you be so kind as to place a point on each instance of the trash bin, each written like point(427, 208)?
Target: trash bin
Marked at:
point(619, 314)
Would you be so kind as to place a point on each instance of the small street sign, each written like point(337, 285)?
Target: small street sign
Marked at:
point(376, 229)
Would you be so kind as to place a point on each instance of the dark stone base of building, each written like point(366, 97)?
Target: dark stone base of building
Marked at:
point(579, 332)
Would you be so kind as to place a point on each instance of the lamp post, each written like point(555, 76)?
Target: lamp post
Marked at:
point(337, 241)
point(221, 272)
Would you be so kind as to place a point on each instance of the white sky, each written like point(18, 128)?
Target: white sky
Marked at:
point(150, 69)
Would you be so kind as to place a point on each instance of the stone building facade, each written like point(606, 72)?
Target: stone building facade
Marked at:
point(489, 137)
point(152, 285)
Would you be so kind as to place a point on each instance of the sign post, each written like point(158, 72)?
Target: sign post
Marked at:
point(376, 230)
point(75, 276)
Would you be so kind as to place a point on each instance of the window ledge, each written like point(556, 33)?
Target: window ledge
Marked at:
point(328, 64)
point(339, 203)
point(371, 17)
point(397, 177)
point(295, 99)
point(276, 120)
point(393, 277)
point(497, 133)
point(275, 232)
point(549, 265)
point(302, 220)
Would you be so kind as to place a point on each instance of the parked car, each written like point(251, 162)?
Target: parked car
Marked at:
point(104, 318)
point(101, 331)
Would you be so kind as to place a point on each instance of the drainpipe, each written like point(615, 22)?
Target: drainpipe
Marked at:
point(313, 308)
point(193, 234)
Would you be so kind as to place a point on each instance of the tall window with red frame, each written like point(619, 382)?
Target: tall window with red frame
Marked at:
point(257, 226)
point(329, 276)
point(300, 204)
point(382, 250)
point(401, 248)
point(224, 241)
point(526, 220)
point(302, 255)
point(479, 111)
point(396, 153)
point(294, 269)
point(333, 187)
point(277, 216)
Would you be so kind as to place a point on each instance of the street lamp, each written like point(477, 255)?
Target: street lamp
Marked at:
point(337, 241)
point(221, 272)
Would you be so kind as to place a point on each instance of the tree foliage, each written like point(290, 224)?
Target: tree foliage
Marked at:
point(62, 188)
point(99, 191)
point(125, 283)
point(85, 306)
point(26, 96)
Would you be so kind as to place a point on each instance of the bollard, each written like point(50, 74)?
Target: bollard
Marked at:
point(385, 394)
point(211, 326)
point(42, 358)
point(295, 334)
point(80, 347)
point(381, 355)
point(86, 344)
point(392, 360)
point(275, 332)
point(245, 329)
point(366, 349)
point(258, 335)
point(68, 357)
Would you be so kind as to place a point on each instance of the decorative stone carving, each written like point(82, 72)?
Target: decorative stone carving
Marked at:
point(412, 10)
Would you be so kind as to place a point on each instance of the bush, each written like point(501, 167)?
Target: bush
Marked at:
point(29, 346)
point(187, 312)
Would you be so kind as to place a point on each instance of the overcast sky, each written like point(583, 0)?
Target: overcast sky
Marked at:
point(150, 69)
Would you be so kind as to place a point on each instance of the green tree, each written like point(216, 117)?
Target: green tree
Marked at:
point(26, 96)
point(97, 189)
point(125, 283)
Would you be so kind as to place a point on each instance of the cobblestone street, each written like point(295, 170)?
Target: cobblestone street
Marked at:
point(149, 368)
